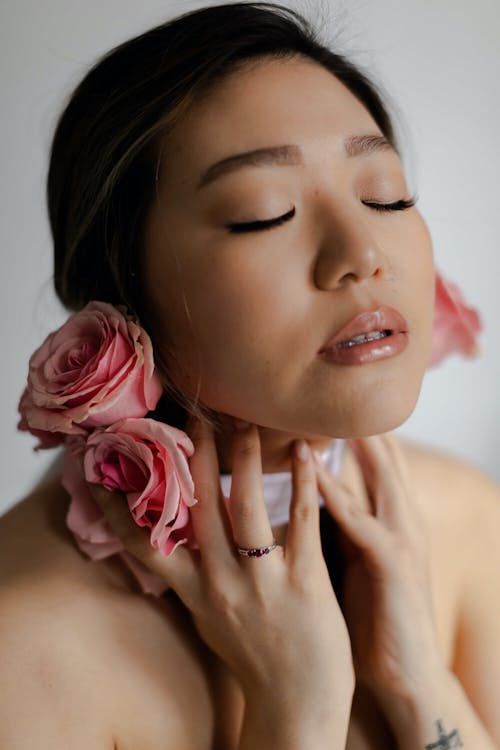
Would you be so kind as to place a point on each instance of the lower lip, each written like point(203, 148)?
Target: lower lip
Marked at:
point(369, 351)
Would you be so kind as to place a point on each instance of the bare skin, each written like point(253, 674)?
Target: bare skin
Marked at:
point(93, 622)
point(249, 348)
point(334, 258)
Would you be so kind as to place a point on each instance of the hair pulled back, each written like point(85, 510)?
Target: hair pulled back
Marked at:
point(104, 156)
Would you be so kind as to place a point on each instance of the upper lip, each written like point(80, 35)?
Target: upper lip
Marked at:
point(383, 318)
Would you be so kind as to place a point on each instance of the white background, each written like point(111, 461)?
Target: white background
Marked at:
point(438, 59)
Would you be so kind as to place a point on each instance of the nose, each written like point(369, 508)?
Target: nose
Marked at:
point(348, 253)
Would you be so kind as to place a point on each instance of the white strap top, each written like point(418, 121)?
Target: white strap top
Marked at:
point(278, 486)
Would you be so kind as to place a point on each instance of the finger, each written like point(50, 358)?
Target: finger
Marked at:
point(178, 570)
point(209, 517)
point(303, 537)
point(408, 505)
point(368, 476)
point(398, 457)
point(247, 510)
point(382, 479)
point(358, 524)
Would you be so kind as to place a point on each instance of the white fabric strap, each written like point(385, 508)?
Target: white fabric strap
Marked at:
point(278, 486)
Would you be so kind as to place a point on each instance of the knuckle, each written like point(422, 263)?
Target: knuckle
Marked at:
point(354, 510)
point(305, 481)
point(304, 512)
point(220, 598)
point(242, 510)
point(262, 600)
point(303, 585)
point(300, 586)
point(247, 446)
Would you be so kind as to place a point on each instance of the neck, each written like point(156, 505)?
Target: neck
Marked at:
point(276, 446)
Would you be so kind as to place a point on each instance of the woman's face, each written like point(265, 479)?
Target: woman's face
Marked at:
point(245, 313)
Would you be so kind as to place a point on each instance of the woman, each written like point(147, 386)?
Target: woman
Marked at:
point(289, 297)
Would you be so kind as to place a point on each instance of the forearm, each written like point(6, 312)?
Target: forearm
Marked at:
point(270, 724)
point(436, 716)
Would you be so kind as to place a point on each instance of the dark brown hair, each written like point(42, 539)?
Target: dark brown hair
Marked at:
point(104, 156)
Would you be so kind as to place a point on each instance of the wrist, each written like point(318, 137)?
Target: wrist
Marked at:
point(282, 721)
point(418, 677)
point(419, 701)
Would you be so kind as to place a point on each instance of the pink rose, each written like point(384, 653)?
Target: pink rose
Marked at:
point(85, 519)
point(94, 370)
point(91, 531)
point(456, 325)
point(147, 460)
point(46, 439)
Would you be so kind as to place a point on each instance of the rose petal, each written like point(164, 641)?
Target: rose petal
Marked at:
point(456, 325)
point(94, 370)
point(159, 453)
point(84, 517)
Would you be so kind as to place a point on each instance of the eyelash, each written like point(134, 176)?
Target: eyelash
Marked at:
point(260, 226)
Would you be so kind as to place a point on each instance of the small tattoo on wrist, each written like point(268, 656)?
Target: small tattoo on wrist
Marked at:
point(445, 741)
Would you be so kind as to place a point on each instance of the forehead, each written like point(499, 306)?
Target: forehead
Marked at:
point(267, 102)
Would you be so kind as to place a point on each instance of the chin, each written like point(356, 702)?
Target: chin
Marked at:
point(377, 421)
point(389, 409)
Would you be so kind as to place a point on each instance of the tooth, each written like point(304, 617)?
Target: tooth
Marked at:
point(363, 337)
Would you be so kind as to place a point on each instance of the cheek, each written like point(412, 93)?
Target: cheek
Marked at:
point(424, 283)
point(214, 321)
point(232, 310)
point(414, 277)
point(247, 312)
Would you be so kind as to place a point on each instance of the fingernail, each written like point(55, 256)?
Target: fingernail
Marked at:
point(317, 458)
point(302, 450)
point(240, 424)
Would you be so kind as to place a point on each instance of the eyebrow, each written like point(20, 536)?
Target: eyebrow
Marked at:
point(290, 155)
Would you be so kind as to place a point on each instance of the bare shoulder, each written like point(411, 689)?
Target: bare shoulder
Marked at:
point(452, 487)
point(37, 549)
point(51, 605)
point(46, 677)
point(82, 645)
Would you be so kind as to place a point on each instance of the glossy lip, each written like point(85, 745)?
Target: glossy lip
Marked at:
point(365, 353)
point(384, 318)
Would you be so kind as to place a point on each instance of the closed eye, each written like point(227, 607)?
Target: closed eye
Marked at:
point(259, 226)
point(400, 205)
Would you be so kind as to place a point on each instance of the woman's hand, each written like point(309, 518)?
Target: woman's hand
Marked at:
point(386, 599)
point(273, 620)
